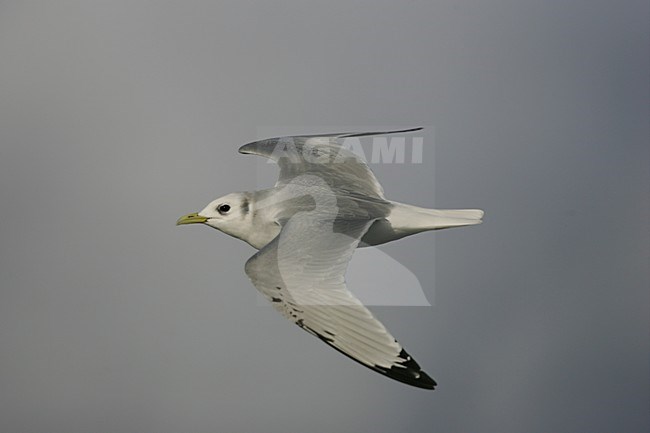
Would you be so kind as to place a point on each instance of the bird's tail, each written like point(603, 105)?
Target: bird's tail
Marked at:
point(445, 218)
point(416, 219)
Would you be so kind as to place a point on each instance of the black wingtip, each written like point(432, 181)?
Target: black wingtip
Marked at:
point(409, 372)
point(246, 148)
point(363, 134)
point(417, 379)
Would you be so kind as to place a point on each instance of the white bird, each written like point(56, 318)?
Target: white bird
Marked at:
point(325, 204)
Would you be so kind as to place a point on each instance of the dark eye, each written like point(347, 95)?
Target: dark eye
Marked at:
point(223, 208)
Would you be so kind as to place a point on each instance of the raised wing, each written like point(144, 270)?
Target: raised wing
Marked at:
point(302, 273)
point(322, 155)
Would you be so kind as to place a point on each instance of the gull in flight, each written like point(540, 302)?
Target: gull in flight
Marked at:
point(325, 204)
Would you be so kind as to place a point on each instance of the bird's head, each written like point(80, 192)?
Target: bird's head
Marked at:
point(228, 214)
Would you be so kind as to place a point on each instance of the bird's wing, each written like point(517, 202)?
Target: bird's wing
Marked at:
point(324, 155)
point(302, 273)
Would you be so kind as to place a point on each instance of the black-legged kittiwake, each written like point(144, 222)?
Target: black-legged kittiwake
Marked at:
point(325, 204)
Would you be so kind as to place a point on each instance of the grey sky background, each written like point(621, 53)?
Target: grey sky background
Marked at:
point(118, 117)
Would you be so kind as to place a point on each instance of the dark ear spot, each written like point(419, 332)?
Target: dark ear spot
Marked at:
point(244, 206)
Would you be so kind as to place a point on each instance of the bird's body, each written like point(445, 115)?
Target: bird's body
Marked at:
point(393, 220)
point(325, 204)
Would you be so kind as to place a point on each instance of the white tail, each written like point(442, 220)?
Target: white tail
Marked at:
point(442, 219)
point(414, 219)
point(405, 220)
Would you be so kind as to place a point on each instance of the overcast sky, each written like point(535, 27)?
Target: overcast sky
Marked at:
point(118, 117)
